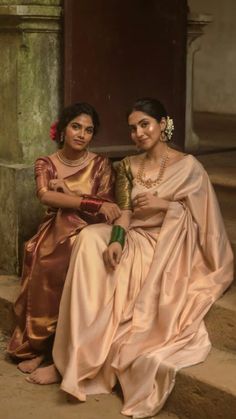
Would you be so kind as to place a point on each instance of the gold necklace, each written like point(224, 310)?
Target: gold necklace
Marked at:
point(149, 183)
point(68, 162)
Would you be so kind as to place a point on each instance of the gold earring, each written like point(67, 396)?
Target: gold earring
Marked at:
point(163, 138)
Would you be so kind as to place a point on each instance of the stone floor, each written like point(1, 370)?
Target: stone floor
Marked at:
point(22, 400)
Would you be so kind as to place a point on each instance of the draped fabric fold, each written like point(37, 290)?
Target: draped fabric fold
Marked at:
point(144, 321)
point(47, 254)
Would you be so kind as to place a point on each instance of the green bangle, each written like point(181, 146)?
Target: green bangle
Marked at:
point(118, 235)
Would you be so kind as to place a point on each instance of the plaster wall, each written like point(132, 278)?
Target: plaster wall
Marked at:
point(31, 87)
point(215, 63)
point(30, 84)
point(33, 2)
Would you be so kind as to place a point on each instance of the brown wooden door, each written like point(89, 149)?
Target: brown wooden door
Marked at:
point(119, 50)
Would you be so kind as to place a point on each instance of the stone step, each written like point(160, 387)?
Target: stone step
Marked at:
point(230, 225)
point(9, 290)
point(207, 390)
point(216, 131)
point(221, 322)
point(204, 391)
point(221, 168)
point(21, 400)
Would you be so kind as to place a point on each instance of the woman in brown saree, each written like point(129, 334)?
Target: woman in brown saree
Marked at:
point(136, 314)
point(77, 186)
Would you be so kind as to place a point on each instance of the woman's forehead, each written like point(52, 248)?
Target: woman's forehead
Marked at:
point(83, 119)
point(137, 116)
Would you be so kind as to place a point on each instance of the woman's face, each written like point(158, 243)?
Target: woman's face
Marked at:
point(145, 130)
point(79, 132)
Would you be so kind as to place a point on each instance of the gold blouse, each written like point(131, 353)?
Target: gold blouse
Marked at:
point(124, 184)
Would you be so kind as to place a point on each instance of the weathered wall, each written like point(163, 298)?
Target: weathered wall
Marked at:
point(33, 2)
point(31, 95)
point(30, 82)
point(20, 214)
point(215, 63)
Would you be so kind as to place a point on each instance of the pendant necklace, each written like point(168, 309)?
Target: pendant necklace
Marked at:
point(149, 183)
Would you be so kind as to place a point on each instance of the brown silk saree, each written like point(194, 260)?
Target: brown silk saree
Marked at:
point(47, 254)
point(144, 321)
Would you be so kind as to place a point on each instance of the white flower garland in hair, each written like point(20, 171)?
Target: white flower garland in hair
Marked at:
point(169, 127)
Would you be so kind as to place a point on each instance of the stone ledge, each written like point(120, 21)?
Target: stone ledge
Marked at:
point(221, 322)
point(221, 168)
point(206, 390)
point(22, 400)
point(30, 19)
point(9, 290)
point(30, 11)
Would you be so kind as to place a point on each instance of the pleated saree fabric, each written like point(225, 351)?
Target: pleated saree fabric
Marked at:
point(143, 322)
point(47, 254)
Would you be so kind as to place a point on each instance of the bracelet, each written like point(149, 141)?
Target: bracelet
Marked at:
point(118, 235)
point(90, 205)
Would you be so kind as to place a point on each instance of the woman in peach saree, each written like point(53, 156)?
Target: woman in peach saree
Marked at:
point(136, 314)
point(77, 186)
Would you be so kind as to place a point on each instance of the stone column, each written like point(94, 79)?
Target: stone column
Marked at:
point(196, 23)
point(31, 86)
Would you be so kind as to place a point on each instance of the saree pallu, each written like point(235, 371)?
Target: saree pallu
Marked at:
point(144, 321)
point(47, 255)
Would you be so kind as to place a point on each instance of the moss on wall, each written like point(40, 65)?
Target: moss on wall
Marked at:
point(31, 94)
point(33, 2)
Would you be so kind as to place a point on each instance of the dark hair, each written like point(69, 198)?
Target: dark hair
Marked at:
point(71, 112)
point(150, 106)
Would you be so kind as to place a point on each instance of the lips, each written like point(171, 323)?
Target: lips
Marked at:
point(79, 142)
point(143, 140)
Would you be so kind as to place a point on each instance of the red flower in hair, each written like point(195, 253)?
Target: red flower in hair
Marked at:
point(53, 131)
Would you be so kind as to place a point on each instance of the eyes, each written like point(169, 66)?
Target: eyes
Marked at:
point(142, 124)
point(76, 127)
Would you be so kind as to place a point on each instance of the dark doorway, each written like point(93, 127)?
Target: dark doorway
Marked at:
point(119, 50)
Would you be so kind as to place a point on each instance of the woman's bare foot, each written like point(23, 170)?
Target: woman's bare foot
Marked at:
point(30, 365)
point(46, 375)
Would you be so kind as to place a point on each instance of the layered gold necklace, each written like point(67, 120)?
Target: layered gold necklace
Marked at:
point(149, 183)
point(68, 162)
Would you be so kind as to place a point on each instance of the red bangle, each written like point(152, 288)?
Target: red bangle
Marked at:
point(90, 205)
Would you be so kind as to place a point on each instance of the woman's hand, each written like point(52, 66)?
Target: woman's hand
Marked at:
point(148, 204)
point(112, 255)
point(110, 210)
point(58, 185)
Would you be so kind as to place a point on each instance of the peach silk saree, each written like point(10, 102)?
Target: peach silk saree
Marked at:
point(143, 322)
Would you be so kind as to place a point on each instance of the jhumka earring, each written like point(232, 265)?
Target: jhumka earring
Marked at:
point(62, 137)
point(163, 137)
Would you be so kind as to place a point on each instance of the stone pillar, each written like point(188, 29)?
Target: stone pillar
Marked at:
point(196, 23)
point(31, 86)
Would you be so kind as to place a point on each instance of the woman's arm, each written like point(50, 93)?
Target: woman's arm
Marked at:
point(54, 193)
point(109, 209)
point(112, 254)
point(59, 199)
point(43, 176)
point(124, 219)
